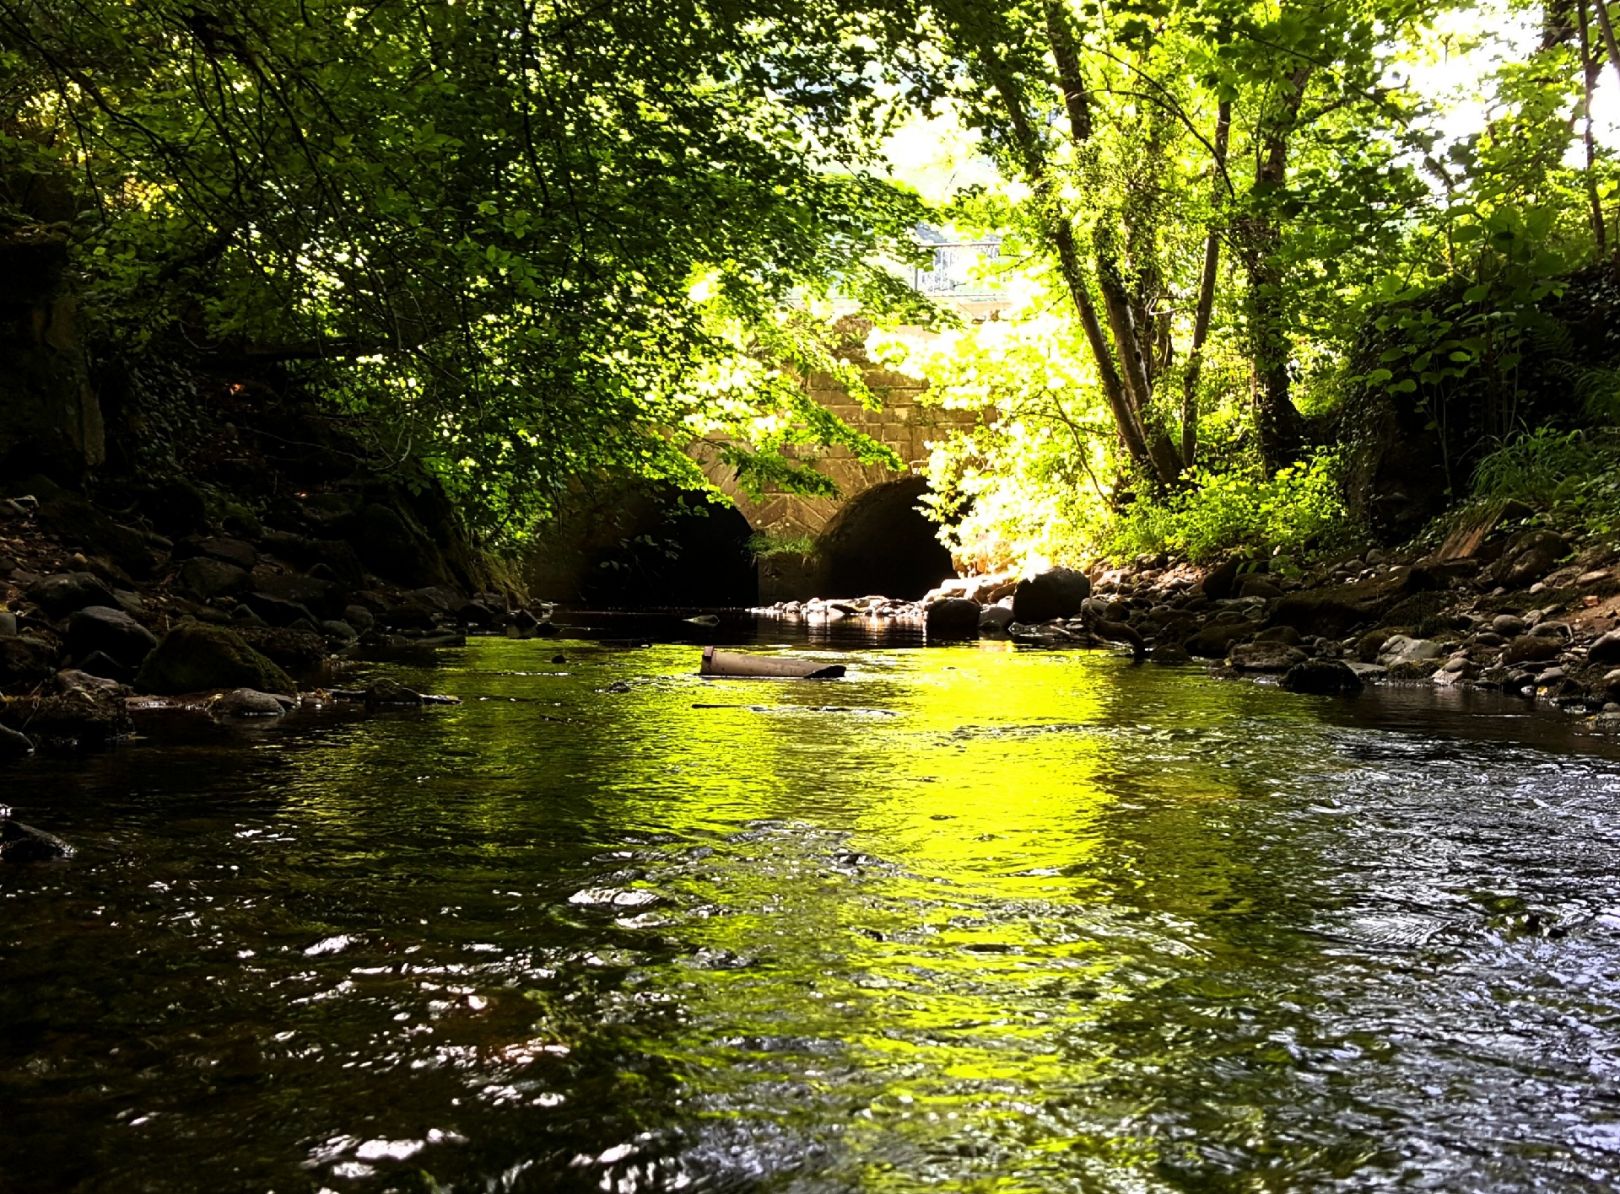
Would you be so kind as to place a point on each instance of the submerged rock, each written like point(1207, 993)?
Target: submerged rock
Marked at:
point(391, 694)
point(24, 843)
point(1322, 677)
point(14, 744)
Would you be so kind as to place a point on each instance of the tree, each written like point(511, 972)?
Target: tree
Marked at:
point(475, 225)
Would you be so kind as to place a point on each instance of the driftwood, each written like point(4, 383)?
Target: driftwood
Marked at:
point(736, 663)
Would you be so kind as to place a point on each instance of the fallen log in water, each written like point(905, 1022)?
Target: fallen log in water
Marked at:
point(736, 663)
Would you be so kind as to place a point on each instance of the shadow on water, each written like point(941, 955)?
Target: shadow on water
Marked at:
point(973, 918)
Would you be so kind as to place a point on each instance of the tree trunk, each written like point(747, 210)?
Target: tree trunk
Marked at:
point(1130, 361)
point(1206, 297)
point(1277, 423)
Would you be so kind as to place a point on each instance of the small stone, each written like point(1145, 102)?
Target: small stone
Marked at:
point(1509, 625)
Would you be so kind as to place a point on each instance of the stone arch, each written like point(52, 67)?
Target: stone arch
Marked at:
point(676, 550)
point(881, 542)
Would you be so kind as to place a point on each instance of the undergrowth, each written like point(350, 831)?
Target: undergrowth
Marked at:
point(1298, 512)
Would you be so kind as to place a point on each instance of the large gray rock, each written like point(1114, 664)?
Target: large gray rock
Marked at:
point(247, 702)
point(1055, 593)
point(951, 618)
point(65, 592)
point(1605, 650)
point(111, 631)
point(1400, 648)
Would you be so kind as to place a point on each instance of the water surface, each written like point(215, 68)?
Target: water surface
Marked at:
point(971, 919)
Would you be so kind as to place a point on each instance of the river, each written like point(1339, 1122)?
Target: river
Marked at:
point(970, 919)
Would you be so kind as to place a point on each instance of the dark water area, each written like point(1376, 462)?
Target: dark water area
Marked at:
point(970, 919)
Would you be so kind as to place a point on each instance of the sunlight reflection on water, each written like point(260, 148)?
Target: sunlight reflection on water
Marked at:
point(969, 919)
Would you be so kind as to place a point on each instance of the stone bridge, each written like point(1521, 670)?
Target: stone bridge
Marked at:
point(871, 537)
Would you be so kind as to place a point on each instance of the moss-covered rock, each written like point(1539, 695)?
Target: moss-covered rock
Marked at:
point(197, 658)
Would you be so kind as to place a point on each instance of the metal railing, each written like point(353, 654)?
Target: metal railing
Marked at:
point(952, 274)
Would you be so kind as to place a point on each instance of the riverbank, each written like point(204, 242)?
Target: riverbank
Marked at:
point(1498, 603)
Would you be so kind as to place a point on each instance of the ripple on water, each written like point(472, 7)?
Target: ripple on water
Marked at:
point(980, 920)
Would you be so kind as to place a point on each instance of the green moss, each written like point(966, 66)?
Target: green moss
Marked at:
point(197, 658)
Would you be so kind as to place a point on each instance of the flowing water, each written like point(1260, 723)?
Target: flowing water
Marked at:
point(970, 919)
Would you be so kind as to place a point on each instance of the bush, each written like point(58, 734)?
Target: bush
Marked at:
point(1299, 510)
point(1572, 476)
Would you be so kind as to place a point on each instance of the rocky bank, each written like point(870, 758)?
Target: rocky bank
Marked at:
point(1500, 603)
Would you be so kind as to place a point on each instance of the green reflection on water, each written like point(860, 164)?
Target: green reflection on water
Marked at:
point(968, 919)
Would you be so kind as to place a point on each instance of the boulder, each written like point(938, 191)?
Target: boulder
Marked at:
point(279, 611)
point(14, 744)
point(206, 578)
point(1403, 649)
point(1055, 593)
point(1221, 580)
point(1257, 585)
point(1321, 677)
point(196, 658)
point(1529, 648)
point(110, 631)
point(951, 618)
point(25, 660)
point(24, 843)
point(995, 618)
point(1264, 657)
point(1215, 640)
point(236, 552)
point(1169, 654)
point(1529, 556)
point(1333, 612)
point(1605, 650)
point(73, 679)
point(300, 652)
point(1509, 625)
point(61, 594)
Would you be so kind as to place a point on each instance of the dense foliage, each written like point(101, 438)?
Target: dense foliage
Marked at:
point(480, 225)
point(528, 242)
